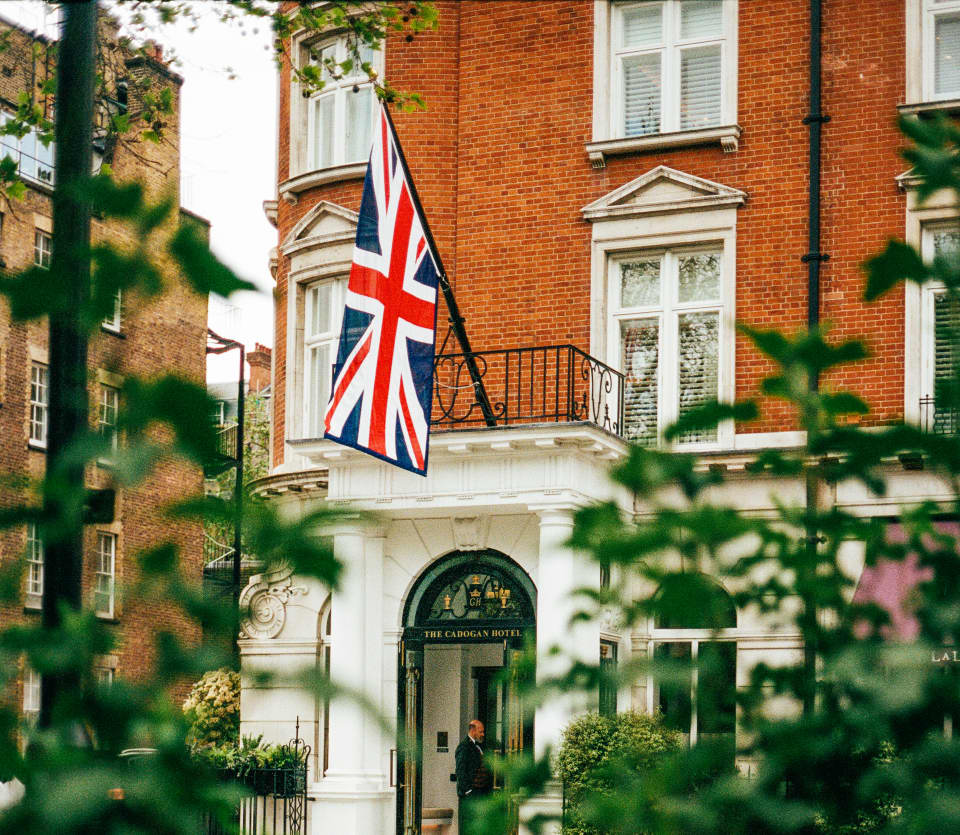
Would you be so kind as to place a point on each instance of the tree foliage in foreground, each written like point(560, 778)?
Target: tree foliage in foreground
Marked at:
point(870, 752)
point(73, 778)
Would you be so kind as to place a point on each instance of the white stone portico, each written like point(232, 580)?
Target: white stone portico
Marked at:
point(511, 490)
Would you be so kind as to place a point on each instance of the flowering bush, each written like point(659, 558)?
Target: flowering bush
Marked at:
point(213, 708)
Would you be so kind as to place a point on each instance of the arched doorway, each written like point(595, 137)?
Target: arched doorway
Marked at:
point(465, 624)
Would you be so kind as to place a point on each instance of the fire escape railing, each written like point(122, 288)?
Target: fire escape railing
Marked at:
point(548, 384)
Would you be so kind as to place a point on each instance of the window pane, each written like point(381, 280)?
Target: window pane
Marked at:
point(643, 25)
point(323, 129)
point(28, 158)
point(701, 19)
point(640, 283)
point(319, 303)
point(319, 387)
point(699, 277)
point(640, 341)
point(359, 106)
point(329, 52)
point(947, 54)
point(698, 344)
point(700, 87)
point(716, 689)
point(608, 688)
point(945, 358)
point(946, 241)
point(674, 685)
point(641, 95)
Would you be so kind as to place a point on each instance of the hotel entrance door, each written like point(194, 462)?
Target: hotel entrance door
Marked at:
point(470, 618)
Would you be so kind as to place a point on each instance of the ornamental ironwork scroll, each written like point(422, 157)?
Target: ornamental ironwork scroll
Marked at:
point(553, 383)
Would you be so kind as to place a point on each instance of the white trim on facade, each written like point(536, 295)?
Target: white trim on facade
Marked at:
point(662, 210)
point(607, 133)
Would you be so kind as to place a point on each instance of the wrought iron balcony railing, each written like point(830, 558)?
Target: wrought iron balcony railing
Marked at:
point(938, 420)
point(550, 384)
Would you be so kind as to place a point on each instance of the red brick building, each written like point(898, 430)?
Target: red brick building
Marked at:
point(629, 178)
point(143, 337)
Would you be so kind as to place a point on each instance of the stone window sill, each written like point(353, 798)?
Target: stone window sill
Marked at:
point(290, 190)
point(726, 136)
point(925, 108)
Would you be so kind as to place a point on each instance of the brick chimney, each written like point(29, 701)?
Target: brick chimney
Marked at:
point(259, 361)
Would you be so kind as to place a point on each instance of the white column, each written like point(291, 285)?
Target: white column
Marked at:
point(353, 794)
point(559, 573)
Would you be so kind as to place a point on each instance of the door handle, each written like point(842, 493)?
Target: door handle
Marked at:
point(393, 771)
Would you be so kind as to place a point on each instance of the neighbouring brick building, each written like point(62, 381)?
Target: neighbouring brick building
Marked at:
point(143, 337)
point(628, 178)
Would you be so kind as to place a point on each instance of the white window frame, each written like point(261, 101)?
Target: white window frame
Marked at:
point(32, 687)
point(313, 406)
point(219, 414)
point(931, 10)
point(338, 89)
point(35, 567)
point(115, 320)
point(39, 404)
point(694, 637)
point(107, 424)
point(638, 218)
point(104, 676)
point(42, 248)
point(668, 312)
point(939, 209)
point(608, 130)
point(35, 162)
point(928, 295)
point(105, 575)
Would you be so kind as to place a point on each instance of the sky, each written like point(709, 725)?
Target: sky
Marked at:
point(228, 114)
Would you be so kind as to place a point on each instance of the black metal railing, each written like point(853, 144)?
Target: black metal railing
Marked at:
point(549, 384)
point(276, 799)
point(938, 420)
point(227, 441)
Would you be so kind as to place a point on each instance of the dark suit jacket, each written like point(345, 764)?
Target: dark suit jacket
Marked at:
point(468, 758)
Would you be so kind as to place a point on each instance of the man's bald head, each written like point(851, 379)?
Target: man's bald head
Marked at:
point(475, 730)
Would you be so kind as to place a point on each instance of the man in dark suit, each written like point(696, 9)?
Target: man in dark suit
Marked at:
point(473, 777)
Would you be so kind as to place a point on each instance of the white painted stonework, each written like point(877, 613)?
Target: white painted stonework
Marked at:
point(513, 490)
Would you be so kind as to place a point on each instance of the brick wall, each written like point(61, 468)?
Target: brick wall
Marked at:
point(500, 163)
point(157, 336)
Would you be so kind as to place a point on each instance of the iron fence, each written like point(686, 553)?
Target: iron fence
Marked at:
point(276, 802)
point(549, 384)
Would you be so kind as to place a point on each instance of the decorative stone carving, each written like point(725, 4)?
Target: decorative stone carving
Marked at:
point(468, 533)
point(263, 603)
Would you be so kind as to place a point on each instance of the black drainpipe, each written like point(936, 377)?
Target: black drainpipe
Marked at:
point(813, 259)
point(814, 120)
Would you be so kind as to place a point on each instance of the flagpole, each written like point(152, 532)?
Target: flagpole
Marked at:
point(456, 319)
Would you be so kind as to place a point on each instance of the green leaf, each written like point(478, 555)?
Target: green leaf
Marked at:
point(898, 262)
point(202, 268)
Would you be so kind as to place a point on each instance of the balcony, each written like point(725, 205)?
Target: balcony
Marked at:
point(527, 386)
point(226, 454)
point(942, 420)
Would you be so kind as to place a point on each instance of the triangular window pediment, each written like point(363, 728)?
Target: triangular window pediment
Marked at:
point(663, 190)
point(325, 223)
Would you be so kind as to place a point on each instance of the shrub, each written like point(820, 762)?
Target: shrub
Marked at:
point(213, 708)
point(594, 752)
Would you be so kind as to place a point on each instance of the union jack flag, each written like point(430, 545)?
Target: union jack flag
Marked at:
point(383, 377)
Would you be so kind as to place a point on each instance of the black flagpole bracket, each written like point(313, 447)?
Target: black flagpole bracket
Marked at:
point(456, 319)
